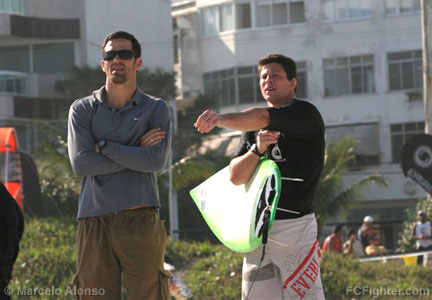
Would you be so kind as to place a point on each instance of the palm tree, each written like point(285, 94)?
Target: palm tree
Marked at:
point(332, 198)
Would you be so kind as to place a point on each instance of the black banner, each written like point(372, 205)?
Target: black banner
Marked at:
point(417, 160)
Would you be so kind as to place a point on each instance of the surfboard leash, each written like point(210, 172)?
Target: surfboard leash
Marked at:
point(256, 274)
point(266, 222)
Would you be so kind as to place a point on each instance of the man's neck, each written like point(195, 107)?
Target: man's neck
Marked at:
point(119, 95)
point(281, 103)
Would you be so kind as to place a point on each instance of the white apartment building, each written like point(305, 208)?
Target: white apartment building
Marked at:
point(41, 39)
point(359, 62)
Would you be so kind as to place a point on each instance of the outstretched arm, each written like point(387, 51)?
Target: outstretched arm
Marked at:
point(250, 119)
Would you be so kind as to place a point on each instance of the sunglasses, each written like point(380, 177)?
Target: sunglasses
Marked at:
point(122, 54)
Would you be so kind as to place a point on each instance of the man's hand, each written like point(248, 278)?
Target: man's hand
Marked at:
point(152, 137)
point(207, 121)
point(265, 138)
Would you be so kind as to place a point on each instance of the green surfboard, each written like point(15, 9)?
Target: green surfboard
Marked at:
point(235, 213)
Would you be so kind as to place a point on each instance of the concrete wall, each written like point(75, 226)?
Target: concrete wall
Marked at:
point(57, 9)
point(149, 21)
point(6, 106)
point(190, 52)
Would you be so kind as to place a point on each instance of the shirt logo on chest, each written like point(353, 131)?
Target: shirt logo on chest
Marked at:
point(276, 154)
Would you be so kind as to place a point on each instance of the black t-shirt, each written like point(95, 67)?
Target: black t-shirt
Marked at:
point(11, 230)
point(299, 153)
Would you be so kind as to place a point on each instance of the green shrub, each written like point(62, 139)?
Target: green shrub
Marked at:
point(47, 260)
point(217, 277)
point(340, 274)
point(47, 256)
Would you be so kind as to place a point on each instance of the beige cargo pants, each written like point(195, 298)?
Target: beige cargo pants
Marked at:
point(127, 246)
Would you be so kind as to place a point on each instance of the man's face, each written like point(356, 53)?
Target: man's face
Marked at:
point(422, 218)
point(276, 88)
point(118, 70)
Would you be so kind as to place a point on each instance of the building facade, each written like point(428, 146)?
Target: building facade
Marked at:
point(359, 62)
point(41, 39)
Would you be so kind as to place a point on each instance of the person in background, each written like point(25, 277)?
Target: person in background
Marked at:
point(333, 243)
point(353, 246)
point(11, 230)
point(422, 233)
point(375, 248)
point(365, 231)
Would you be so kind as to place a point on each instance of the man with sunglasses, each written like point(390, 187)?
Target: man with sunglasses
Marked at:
point(118, 139)
point(291, 133)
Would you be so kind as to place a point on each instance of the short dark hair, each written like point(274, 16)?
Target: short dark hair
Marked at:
point(136, 47)
point(287, 63)
point(338, 228)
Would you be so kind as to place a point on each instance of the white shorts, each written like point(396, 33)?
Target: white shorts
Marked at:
point(291, 265)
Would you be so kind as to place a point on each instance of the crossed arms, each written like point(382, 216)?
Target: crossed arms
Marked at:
point(149, 156)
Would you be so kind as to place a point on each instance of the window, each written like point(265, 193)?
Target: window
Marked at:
point(301, 92)
point(233, 86)
point(12, 83)
point(273, 13)
point(46, 58)
point(12, 6)
point(176, 49)
point(280, 13)
point(296, 9)
point(210, 21)
point(367, 148)
point(39, 108)
point(226, 17)
point(405, 70)
point(228, 89)
point(247, 80)
point(243, 16)
point(217, 19)
point(53, 58)
point(263, 11)
point(400, 134)
point(349, 75)
point(335, 10)
point(396, 7)
point(15, 58)
point(267, 13)
point(364, 160)
point(221, 84)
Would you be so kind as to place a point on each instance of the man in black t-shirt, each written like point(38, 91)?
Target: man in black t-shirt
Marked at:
point(291, 133)
point(11, 230)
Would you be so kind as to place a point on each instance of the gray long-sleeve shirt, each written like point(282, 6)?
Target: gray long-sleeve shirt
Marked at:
point(124, 175)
